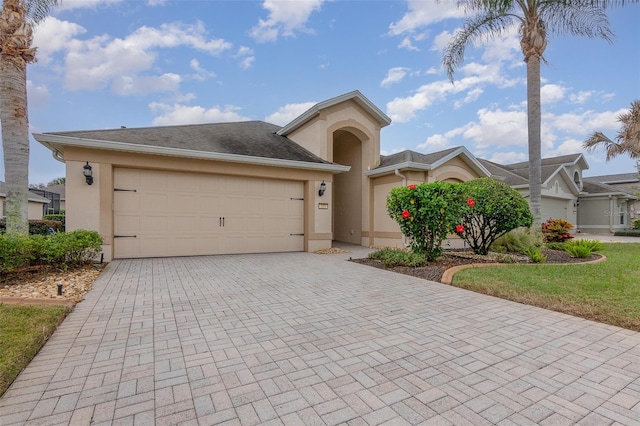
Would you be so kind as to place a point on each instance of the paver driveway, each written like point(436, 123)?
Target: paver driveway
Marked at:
point(312, 339)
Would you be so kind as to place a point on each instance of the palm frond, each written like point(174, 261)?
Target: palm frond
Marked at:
point(488, 24)
point(576, 17)
point(37, 10)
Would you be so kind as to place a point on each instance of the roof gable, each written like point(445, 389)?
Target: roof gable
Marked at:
point(411, 160)
point(381, 118)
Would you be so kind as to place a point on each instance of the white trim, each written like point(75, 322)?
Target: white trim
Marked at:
point(51, 140)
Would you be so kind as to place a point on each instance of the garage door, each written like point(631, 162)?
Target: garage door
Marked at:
point(158, 213)
point(554, 208)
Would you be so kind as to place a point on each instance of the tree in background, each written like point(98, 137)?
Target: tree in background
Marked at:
point(536, 21)
point(628, 138)
point(16, 38)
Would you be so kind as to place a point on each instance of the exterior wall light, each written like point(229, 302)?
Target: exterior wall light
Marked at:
point(323, 187)
point(88, 173)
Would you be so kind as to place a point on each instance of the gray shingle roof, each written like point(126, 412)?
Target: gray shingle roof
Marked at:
point(31, 196)
point(413, 157)
point(548, 166)
point(248, 138)
point(505, 175)
point(617, 178)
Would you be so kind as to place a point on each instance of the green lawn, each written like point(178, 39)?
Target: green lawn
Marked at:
point(23, 331)
point(607, 292)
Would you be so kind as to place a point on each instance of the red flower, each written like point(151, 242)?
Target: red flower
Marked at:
point(460, 228)
point(405, 214)
point(470, 202)
point(412, 186)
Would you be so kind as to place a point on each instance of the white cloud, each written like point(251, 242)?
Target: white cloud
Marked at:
point(246, 57)
point(406, 43)
point(581, 97)
point(84, 4)
point(142, 85)
point(441, 41)
point(184, 114)
point(423, 13)
point(472, 96)
point(201, 74)
point(288, 113)
point(439, 142)
point(394, 75)
point(508, 157)
point(37, 94)
point(122, 64)
point(404, 109)
point(285, 19)
point(53, 35)
point(551, 93)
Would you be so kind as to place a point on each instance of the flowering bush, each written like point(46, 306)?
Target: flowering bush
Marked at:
point(492, 209)
point(426, 213)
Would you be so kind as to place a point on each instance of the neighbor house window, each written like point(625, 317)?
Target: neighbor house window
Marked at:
point(621, 212)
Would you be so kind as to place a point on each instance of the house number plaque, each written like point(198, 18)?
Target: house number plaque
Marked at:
point(323, 206)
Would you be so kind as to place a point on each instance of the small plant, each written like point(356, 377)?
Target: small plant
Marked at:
point(556, 230)
point(517, 241)
point(555, 246)
point(391, 257)
point(636, 224)
point(536, 256)
point(506, 258)
point(582, 248)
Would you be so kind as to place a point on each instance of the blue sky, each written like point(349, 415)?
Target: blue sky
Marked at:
point(110, 63)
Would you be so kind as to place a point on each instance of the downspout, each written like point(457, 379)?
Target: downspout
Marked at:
point(404, 183)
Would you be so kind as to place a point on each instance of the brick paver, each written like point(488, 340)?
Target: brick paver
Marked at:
point(313, 339)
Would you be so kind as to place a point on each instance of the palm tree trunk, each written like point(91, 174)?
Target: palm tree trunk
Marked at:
point(15, 141)
point(534, 118)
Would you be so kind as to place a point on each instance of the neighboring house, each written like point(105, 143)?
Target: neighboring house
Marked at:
point(252, 187)
point(35, 206)
point(56, 196)
point(610, 203)
point(561, 183)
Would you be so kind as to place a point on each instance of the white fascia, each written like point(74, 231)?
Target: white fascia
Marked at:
point(50, 141)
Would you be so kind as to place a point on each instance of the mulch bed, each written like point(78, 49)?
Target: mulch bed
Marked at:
point(435, 269)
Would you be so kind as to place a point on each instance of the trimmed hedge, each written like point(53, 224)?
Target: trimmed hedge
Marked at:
point(37, 227)
point(628, 233)
point(61, 250)
point(57, 217)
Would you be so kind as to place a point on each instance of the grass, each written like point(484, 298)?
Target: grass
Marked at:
point(23, 331)
point(607, 292)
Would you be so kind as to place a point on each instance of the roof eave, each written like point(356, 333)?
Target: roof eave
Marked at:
point(53, 142)
point(407, 165)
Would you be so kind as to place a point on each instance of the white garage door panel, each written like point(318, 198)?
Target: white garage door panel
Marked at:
point(183, 214)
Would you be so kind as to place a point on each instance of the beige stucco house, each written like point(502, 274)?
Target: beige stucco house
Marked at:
point(254, 187)
point(34, 207)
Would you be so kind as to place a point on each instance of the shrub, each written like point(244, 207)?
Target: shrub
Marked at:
point(36, 227)
point(628, 233)
point(57, 217)
point(491, 209)
point(15, 252)
point(557, 230)
point(577, 250)
point(636, 224)
point(536, 256)
point(592, 245)
point(426, 213)
point(391, 257)
point(60, 250)
point(517, 241)
point(555, 246)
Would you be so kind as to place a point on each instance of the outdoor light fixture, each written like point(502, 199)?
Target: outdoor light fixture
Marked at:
point(323, 187)
point(88, 173)
point(576, 203)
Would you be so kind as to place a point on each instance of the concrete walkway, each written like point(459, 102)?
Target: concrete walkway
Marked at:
point(313, 339)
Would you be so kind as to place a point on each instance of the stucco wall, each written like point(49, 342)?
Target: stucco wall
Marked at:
point(347, 189)
point(90, 207)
